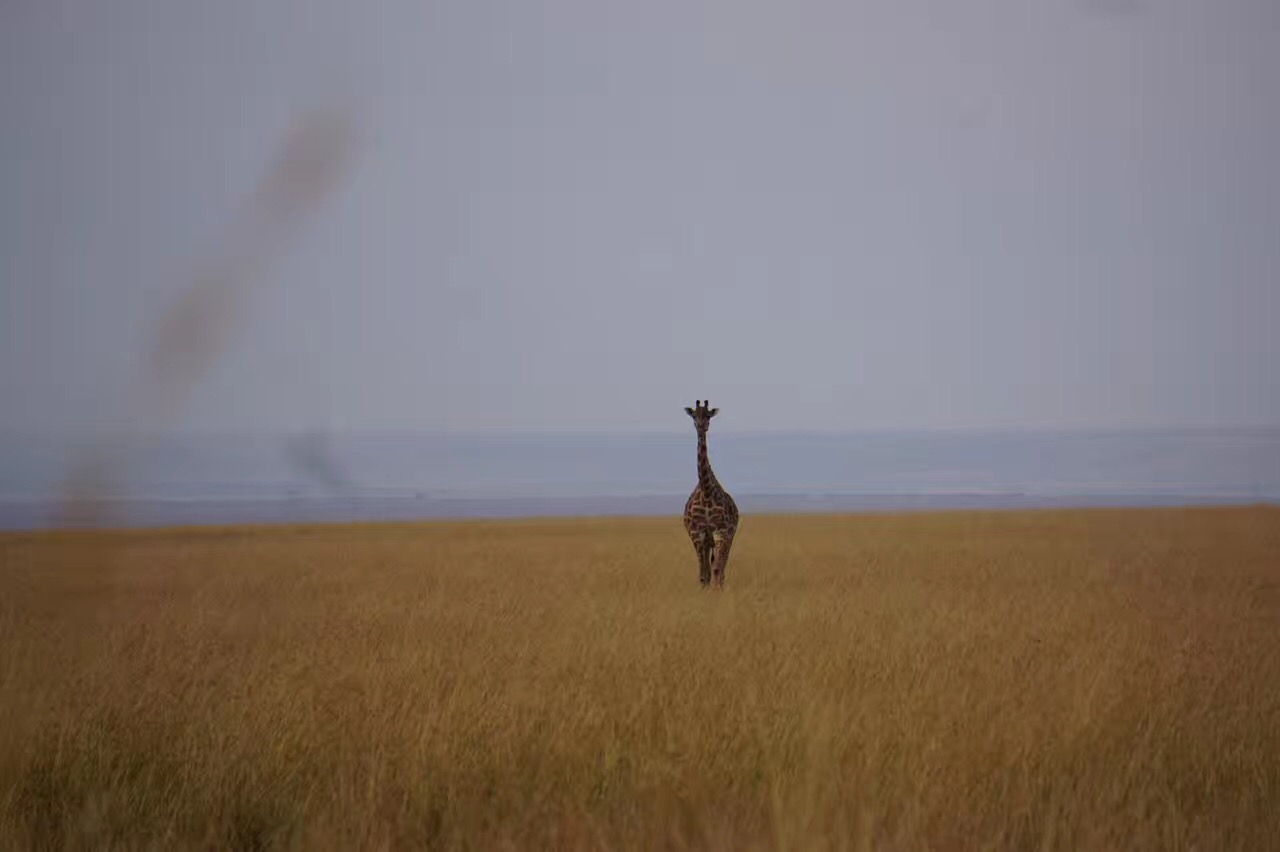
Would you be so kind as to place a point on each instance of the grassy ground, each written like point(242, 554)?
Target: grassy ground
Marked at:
point(1100, 680)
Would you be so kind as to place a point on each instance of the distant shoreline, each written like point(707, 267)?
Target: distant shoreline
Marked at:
point(185, 480)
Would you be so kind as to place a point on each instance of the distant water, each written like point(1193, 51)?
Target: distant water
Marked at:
point(240, 479)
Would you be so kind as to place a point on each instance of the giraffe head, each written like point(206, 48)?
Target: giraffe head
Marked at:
point(702, 412)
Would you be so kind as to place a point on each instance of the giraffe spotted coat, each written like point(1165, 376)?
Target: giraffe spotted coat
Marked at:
point(710, 515)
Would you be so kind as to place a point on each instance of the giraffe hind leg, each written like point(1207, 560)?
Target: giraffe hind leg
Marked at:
point(705, 545)
point(723, 543)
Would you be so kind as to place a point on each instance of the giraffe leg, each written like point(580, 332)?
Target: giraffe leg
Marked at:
point(723, 543)
point(704, 546)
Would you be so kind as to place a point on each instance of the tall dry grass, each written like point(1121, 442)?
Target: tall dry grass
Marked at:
point(1048, 680)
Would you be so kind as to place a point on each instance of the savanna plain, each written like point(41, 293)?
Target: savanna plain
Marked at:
point(1010, 680)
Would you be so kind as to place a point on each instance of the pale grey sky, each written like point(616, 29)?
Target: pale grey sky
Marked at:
point(583, 214)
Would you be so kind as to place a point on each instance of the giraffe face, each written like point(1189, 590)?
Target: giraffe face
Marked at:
point(702, 412)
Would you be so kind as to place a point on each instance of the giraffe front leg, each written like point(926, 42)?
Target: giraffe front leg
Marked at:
point(723, 543)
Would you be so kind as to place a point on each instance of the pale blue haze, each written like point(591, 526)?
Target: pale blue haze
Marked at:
point(577, 216)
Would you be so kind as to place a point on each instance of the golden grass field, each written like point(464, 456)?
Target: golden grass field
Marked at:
point(1036, 680)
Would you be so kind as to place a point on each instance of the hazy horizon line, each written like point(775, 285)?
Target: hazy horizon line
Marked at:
point(409, 432)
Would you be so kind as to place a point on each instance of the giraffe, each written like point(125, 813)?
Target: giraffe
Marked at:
point(710, 515)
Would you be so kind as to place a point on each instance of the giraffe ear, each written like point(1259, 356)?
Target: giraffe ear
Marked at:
point(713, 412)
point(688, 411)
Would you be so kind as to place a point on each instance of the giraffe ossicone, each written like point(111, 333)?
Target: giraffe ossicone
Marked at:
point(710, 515)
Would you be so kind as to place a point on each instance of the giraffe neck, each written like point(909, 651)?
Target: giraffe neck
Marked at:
point(706, 476)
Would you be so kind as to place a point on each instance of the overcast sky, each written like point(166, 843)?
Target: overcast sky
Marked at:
point(583, 215)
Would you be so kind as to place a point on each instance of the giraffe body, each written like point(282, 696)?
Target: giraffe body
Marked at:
point(710, 515)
